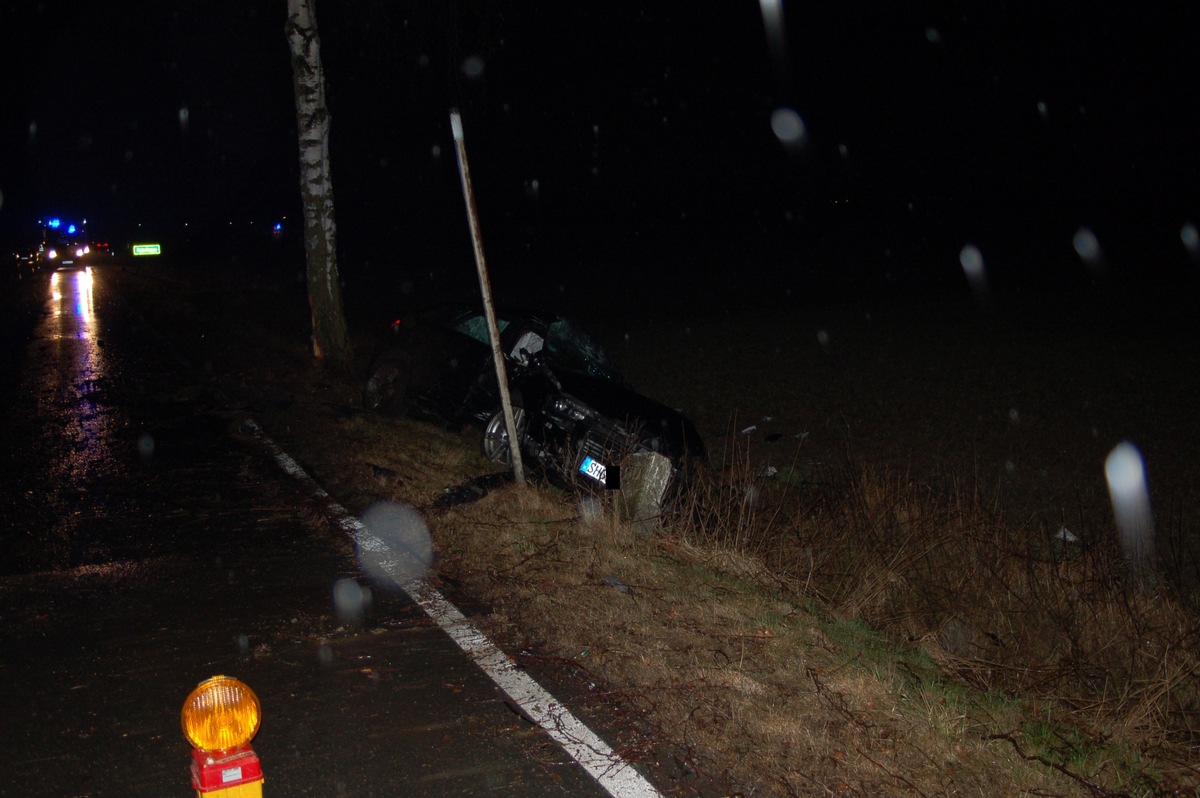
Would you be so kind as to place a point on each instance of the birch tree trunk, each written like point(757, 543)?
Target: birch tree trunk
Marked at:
point(331, 342)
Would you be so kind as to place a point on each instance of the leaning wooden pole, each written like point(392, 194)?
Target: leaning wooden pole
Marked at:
point(485, 287)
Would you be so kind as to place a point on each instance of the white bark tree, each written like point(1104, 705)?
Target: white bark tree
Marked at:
point(331, 342)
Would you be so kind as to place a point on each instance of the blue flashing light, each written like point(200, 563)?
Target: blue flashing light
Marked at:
point(71, 229)
point(54, 224)
point(278, 226)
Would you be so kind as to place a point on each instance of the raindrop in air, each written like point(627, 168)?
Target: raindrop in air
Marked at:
point(397, 548)
point(1, 200)
point(1042, 110)
point(423, 60)
point(32, 130)
point(1125, 472)
point(183, 119)
point(591, 509)
point(436, 152)
point(472, 67)
point(933, 36)
point(823, 338)
point(772, 13)
point(843, 150)
point(145, 445)
point(972, 264)
point(788, 127)
point(1191, 239)
point(350, 601)
point(1087, 246)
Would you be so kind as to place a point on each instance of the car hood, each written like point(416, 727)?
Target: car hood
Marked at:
point(663, 428)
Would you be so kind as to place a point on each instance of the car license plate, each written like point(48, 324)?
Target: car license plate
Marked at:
point(594, 469)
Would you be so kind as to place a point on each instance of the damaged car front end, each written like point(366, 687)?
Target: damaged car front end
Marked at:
point(579, 422)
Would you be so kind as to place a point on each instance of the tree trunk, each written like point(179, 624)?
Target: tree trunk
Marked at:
point(331, 342)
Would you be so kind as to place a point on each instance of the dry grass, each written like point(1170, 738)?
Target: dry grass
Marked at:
point(1110, 662)
point(759, 685)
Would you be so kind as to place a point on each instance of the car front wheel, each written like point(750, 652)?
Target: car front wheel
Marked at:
point(495, 436)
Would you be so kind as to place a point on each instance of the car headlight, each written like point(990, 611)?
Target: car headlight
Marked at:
point(79, 253)
point(572, 408)
point(52, 254)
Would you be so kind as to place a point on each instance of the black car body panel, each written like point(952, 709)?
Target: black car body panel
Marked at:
point(574, 402)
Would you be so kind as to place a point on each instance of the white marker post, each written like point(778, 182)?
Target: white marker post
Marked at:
point(510, 424)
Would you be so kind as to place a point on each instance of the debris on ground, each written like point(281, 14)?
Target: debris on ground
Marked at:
point(472, 490)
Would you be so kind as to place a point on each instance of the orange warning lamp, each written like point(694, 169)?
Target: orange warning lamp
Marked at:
point(220, 718)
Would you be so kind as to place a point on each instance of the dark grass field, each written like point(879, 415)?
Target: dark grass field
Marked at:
point(1019, 404)
point(1017, 401)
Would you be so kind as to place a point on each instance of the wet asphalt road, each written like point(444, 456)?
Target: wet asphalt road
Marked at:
point(148, 544)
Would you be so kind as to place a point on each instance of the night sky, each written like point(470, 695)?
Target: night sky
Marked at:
point(617, 139)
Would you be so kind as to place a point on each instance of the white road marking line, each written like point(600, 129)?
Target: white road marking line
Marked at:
point(604, 764)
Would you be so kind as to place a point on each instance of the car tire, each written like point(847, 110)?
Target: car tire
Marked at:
point(495, 444)
point(387, 383)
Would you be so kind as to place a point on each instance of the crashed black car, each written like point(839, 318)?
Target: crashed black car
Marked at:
point(576, 415)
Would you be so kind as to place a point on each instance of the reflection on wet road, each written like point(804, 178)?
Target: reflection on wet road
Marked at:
point(73, 330)
point(147, 545)
point(69, 433)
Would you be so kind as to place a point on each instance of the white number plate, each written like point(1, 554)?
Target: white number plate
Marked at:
point(594, 469)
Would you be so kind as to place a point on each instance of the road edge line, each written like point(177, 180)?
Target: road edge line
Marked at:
point(617, 776)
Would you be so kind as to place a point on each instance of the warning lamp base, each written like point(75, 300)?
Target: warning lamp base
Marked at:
point(235, 773)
